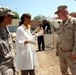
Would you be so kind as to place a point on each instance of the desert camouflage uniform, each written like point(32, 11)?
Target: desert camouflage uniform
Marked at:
point(66, 45)
point(6, 57)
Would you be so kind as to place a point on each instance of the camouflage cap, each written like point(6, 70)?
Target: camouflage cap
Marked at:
point(5, 10)
point(60, 8)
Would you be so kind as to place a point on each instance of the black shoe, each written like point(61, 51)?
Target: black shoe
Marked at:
point(43, 49)
point(38, 50)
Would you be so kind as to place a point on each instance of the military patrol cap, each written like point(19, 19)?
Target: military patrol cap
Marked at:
point(5, 11)
point(60, 8)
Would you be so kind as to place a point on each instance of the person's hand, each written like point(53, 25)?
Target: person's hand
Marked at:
point(73, 57)
point(57, 53)
point(16, 71)
point(36, 35)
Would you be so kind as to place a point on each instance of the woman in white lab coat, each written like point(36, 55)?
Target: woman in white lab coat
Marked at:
point(26, 59)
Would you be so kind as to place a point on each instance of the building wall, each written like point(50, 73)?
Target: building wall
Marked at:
point(15, 22)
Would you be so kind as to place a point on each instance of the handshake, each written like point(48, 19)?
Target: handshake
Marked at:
point(38, 33)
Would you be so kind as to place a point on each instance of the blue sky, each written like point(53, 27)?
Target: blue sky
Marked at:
point(38, 7)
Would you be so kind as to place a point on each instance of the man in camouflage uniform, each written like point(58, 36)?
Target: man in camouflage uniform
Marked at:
point(66, 42)
point(6, 58)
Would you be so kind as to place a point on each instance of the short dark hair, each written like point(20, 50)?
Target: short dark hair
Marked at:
point(40, 23)
point(27, 15)
point(23, 17)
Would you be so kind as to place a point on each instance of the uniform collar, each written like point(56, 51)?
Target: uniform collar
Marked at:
point(26, 27)
point(67, 21)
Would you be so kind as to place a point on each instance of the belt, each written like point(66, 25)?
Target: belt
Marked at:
point(64, 50)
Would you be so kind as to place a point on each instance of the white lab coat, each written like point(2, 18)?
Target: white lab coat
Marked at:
point(25, 56)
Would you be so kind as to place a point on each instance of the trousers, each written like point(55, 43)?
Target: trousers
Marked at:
point(28, 72)
point(41, 41)
point(66, 62)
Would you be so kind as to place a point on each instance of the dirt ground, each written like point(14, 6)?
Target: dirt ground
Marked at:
point(48, 63)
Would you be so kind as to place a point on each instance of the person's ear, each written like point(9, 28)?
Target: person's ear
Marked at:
point(5, 17)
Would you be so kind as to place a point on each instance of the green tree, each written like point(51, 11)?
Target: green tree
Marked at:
point(16, 16)
point(39, 17)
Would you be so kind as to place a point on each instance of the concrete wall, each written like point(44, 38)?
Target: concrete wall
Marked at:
point(15, 22)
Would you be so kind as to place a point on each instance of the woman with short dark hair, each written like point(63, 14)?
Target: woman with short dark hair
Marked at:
point(26, 56)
